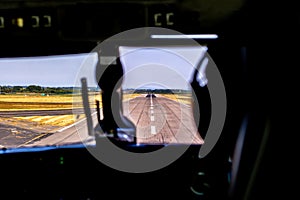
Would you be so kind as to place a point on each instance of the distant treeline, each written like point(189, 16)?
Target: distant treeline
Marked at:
point(158, 91)
point(35, 89)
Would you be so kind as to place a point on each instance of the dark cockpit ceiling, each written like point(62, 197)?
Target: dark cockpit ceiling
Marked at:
point(75, 26)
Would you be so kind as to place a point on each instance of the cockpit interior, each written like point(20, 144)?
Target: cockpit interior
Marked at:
point(144, 99)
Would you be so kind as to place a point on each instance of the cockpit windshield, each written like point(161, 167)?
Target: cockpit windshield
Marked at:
point(41, 97)
point(37, 99)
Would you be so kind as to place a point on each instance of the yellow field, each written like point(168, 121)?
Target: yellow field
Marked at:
point(181, 98)
point(130, 96)
point(38, 102)
point(18, 102)
point(36, 98)
point(61, 120)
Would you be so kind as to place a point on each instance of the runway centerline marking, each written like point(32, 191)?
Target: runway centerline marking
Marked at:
point(151, 101)
point(152, 118)
point(153, 130)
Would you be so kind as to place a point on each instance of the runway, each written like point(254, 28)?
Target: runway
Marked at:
point(161, 120)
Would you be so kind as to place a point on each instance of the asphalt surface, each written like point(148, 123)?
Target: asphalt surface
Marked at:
point(13, 136)
point(23, 134)
point(162, 121)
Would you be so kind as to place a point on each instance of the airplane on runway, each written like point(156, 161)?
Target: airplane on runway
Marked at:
point(150, 94)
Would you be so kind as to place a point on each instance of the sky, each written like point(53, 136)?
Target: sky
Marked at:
point(144, 68)
point(164, 68)
point(47, 71)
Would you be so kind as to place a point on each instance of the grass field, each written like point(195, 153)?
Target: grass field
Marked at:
point(10, 102)
point(18, 102)
point(181, 98)
point(130, 96)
